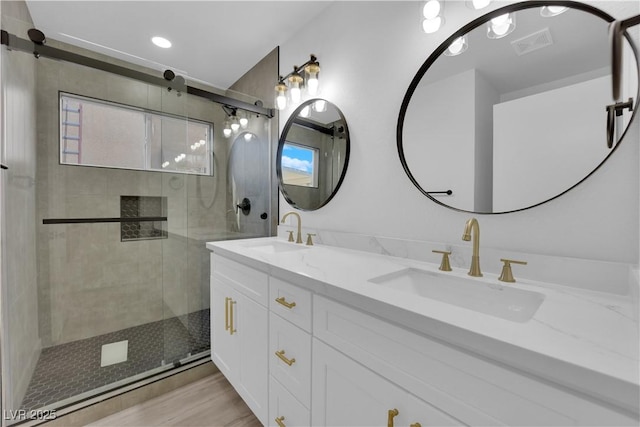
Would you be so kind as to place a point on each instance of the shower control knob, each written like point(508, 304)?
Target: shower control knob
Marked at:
point(263, 215)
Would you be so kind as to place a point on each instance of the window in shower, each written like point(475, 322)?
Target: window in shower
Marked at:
point(105, 134)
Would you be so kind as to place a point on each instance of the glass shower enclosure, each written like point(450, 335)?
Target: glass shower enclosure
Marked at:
point(113, 187)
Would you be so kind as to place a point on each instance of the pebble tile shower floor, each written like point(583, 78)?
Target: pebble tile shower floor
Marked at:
point(67, 370)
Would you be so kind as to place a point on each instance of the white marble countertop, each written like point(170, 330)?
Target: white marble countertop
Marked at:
point(582, 339)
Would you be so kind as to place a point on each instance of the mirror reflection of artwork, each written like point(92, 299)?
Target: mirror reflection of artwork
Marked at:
point(313, 154)
point(510, 122)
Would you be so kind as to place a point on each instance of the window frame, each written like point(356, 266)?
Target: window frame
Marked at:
point(147, 112)
point(315, 175)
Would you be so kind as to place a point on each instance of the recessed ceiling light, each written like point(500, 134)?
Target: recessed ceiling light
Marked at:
point(161, 42)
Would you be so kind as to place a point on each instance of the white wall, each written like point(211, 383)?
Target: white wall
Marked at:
point(369, 52)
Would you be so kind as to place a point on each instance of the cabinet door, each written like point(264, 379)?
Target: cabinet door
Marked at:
point(225, 347)
point(252, 327)
point(347, 394)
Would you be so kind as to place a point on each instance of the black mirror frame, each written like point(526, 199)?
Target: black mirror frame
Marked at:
point(472, 25)
point(282, 140)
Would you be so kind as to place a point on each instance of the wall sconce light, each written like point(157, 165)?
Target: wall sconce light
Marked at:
point(457, 46)
point(478, 4)
point(501, 26)
point(298, 83)
point(549, 11)
point(433, 19)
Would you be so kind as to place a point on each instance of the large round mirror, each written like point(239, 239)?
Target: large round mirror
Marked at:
point(313, 154)
point(511, 111)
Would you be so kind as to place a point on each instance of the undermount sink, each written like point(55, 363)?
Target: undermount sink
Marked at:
point(506, 302)
point(275, 247)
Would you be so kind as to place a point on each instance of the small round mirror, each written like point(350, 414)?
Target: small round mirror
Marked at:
point(512, 110)
point(313, 154)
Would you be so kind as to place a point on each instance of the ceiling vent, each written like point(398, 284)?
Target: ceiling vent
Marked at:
point(532, 42)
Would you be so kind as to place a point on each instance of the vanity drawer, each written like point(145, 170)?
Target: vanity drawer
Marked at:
point(285, 407)
point(291, 302)
point(290, 357)
point(251, 282)
point(471, 388)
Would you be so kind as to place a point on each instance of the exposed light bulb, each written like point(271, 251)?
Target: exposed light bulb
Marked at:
point(194, 146)
point(281, 96)
point(201, 142)
point(432, 25)
point(480, 4)
point(431, 9)
point(320, 105)
point(296, 94)
point(244, 122)
point(165, 164)
point(312, 71)
point(235, 126)
point(305, 112)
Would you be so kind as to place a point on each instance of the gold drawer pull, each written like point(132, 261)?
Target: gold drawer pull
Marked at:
point(226, 313)
point(282, 357)
point(416, 425)
point(284, 302)
point(279, 421)
point(231, 329)
point(392, 414)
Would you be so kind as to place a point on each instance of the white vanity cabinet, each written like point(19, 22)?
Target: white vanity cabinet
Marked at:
point(307, 359)
point(239, 330)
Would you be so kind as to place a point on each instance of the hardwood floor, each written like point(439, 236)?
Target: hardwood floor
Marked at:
point(211, 401)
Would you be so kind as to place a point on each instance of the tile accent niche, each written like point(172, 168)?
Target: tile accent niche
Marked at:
point(143, 206)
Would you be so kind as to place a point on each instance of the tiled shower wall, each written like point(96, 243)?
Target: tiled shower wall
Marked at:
point(20, 314)
point(89, 281)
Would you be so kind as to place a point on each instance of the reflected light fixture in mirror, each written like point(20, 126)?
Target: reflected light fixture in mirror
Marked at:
point(320, 106)
point(457, 46)
point(549, 11)
point(501, 26)
point(526, 118)
point(297, 84)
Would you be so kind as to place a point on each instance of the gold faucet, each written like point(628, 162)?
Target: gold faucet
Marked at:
point(469, 227)
point(299, 236)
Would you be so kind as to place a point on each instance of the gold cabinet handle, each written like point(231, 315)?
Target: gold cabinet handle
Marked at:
point(415, 425)
point(282, 357)
point(226, 313)
point(279, 422)
point(284, 302)
point(231, 328)
point(392, 414)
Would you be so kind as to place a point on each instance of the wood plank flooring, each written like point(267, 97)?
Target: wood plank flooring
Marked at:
point(211, 401)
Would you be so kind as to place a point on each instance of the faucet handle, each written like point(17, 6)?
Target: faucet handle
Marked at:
point(444, 265)
point(507, 274)
point(290, 239)
point(309, 239)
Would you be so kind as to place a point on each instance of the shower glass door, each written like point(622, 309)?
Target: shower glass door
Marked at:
point(115, 186)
